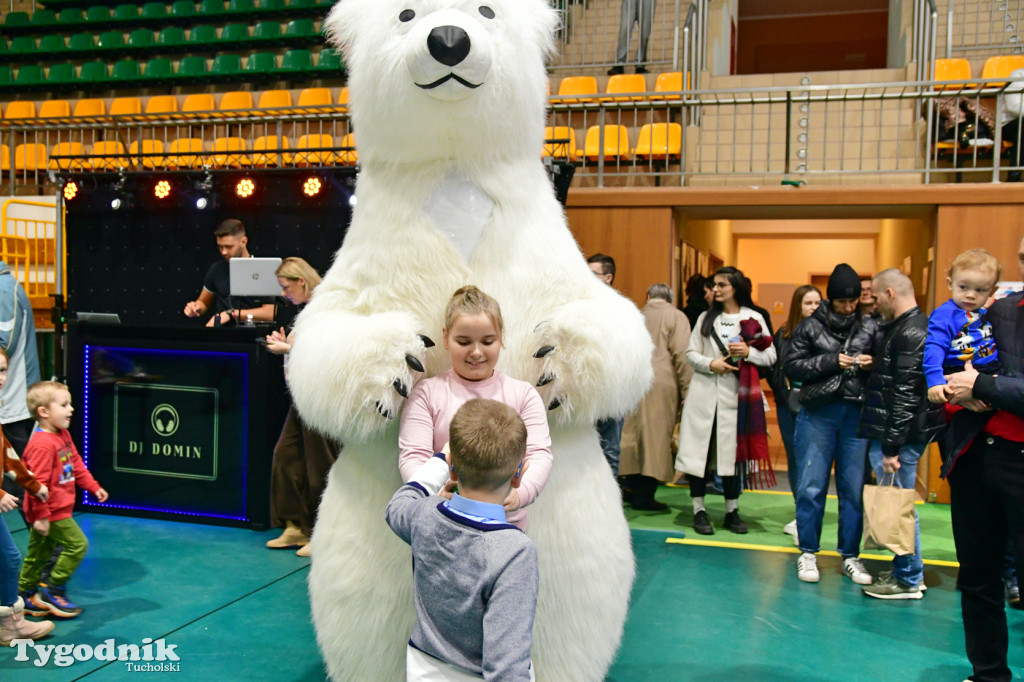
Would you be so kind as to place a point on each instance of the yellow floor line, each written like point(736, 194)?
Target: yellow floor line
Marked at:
point(791, 550)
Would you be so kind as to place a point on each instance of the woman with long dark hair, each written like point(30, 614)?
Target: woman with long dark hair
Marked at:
point(723, 426)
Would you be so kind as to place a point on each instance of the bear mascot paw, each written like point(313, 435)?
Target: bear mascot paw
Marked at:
point(448, 101)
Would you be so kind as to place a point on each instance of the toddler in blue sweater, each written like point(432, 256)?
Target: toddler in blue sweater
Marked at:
point(958, 330)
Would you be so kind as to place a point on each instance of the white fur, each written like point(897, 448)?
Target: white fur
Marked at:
point(390, 282)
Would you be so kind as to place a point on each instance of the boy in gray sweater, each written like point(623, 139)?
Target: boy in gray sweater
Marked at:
point(474, 575)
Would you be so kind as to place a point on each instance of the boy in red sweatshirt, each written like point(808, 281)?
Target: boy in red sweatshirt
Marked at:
point(52, 457)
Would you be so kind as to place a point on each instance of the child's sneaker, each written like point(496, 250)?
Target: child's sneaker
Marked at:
point(33, 607)
point(56, 600)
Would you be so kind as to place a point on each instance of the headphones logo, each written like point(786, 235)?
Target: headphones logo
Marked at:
point(165, 420)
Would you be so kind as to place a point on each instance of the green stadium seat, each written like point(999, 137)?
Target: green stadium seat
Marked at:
point(267, 5)
point(297, 60)
point(267, 30)
point(29, 74)
point(61, 74)
point(158, 69)
point(226, 65)
point(234, 33)
point(211, 7)
point(110, 40)
point(125, 70)
point(202, 35)
point(154, 10)
point(14, 19)
point(183, 8)
point(126, 13)
point(23, 45)
point(44, 18)
point(6, 74)
point(141, 38)
point(240, 6)
point(52, 43)
point(300, 28)
point(192, 68)
point(261, 63)
point(301, 3)
point(328, 61)
point(70, 15)
point(172, 36)
point(81, 42)
point(3, 46)
point(94, 73)
point(97, 13)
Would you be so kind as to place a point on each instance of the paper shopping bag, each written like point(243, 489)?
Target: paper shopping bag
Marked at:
point(889, 518)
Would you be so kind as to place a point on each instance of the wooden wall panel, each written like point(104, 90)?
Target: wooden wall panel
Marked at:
point(996, 228)
point(639, 239)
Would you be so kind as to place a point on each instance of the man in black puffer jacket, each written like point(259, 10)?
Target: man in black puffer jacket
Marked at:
point(897, 417)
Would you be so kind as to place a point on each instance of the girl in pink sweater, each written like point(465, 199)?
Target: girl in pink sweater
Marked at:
point(472, 336)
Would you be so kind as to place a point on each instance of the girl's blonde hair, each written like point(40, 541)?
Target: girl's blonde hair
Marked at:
point(471, 301)
point(295, 268)
point(977, 259)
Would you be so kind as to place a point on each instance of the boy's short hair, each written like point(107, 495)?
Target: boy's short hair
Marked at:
point(40, 394)
point(488, 443)
point(977, 259)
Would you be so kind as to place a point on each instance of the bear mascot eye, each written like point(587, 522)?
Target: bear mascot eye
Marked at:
point(406, 15)
point(487, 12)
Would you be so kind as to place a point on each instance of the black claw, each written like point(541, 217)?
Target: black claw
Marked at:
point(386, 413)
point(554, 404)
point(544, 350)
point(413, 362)
point(400, 387)
point(427, 343)
point(546, 379)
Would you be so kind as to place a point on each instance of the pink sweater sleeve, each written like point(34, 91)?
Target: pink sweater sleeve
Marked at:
point(538, 446)
point(416, 432)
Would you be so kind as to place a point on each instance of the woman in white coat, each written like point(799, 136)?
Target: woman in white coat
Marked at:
point(708, 435)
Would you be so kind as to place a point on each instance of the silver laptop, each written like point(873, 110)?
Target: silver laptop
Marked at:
point(253, 276)
point(98, 318)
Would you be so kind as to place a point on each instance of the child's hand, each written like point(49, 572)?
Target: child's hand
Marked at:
point(44, 493)
point(101, 495)
point(42, 526)
point(512, 501)
point(937, 394)
point(7, 502)
point(448, 490)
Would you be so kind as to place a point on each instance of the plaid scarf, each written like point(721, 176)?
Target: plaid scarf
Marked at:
point(752, 458)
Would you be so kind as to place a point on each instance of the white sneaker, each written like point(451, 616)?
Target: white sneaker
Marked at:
point(807, 568)
point(853, 568)
point(790, 529)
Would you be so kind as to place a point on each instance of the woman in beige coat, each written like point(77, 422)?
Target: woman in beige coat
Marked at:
point(647, 456)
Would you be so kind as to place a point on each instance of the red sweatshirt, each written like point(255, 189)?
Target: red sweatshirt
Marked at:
point(53, 459)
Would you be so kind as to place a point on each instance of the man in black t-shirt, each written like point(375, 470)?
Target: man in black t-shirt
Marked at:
point(231, 242)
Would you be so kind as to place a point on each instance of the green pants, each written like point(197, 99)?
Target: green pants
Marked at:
point(64, 532)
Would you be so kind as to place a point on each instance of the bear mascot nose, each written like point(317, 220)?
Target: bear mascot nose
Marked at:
point(448, 44)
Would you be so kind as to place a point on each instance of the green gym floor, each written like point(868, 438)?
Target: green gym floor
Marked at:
point(721, 612)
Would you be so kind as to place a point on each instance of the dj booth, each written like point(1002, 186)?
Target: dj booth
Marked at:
point(175, 419)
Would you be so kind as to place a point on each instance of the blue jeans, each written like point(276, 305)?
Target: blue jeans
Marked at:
point(787, 425)
point(10, 565)
point(825, 435)
point(610, 431)
point(907, 568)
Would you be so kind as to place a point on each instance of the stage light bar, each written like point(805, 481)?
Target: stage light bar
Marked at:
point(311, 187)
point(245, 188)
point(162, 190)
point(70, 190)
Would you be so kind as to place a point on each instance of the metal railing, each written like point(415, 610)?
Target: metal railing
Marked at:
point(992, 26)
point(926, 22)
point(28, 245)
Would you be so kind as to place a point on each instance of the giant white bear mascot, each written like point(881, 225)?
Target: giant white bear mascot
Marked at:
point(448, 104)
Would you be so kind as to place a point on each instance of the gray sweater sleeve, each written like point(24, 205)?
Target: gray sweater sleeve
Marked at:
point(508, 615)
point(401, 510)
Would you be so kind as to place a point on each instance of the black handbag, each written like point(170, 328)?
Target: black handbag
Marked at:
point(793, 398)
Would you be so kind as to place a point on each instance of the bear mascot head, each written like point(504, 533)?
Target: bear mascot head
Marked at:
point(448, 101)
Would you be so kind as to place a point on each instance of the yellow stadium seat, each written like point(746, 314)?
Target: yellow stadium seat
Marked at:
point(162, 104)
point(632, 83)
point(1001, 67)
point(198, 102)
point(235, 100)
point(343, 98)
point(55, 108)
point(577, 87)
point(262, 157)
point(5, 158)
point(315, 97)
point(348, 157)
point(952, 70)
point(190, 150)
point(670, 81)
point(20, 110)
point(616, 143)
point(146, 147)
point(226, 153)
point(317, 158)
point(560, 143)
point(659, 141)
point(108, 155)
point(68, 149)
point(274, 99)
point(90, 107)
point(30, 156)
point(126, 106)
